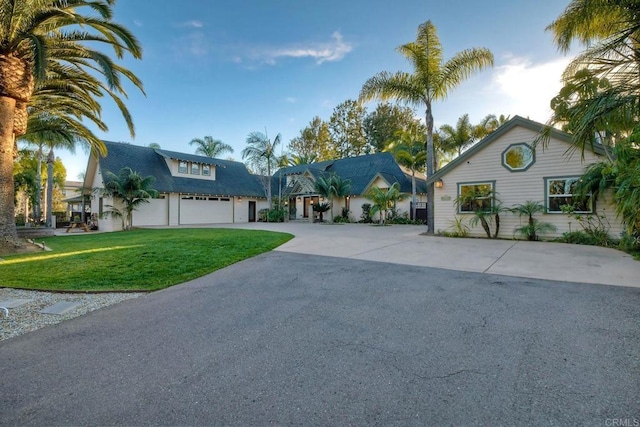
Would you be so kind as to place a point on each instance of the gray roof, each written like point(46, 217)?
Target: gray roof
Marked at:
point(232, 178)
point(360, 170)
point(514, 122)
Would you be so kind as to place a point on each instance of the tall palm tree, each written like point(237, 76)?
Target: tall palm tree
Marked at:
point(261, 154)
point(41, 40)
point(432, 80)
point(210, 147)
point(409, 151)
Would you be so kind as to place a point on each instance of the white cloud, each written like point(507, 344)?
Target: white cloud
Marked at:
point(526, 88)
point(291, 100)
point(190, 24)
point(138, 23)
point(330, 51)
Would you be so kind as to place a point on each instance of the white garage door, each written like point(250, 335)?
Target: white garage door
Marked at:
point(205, 210)
point(153, 213)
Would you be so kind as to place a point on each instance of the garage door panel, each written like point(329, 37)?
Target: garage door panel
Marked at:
point(153, 213)
point(206, 210)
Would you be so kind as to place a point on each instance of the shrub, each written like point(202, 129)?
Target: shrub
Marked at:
point(366, 214)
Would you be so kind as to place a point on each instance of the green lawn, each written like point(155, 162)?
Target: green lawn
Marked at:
point(139, 260)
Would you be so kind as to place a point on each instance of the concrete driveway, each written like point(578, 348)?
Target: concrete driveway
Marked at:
point(404, 244)
point(297, 339)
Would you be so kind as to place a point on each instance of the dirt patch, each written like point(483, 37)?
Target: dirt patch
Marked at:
point(27, 247)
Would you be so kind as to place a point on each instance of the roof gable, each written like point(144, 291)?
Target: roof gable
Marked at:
point(516, 121)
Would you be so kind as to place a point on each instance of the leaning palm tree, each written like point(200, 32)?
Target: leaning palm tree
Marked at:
point(53, 39)
point(210, 147)
point(261, 154)
point(432, 80)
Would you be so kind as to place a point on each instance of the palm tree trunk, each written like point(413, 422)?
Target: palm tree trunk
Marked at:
point(38, 204)
point(50, 160)
point(430, 170)
point(8, 233)
point(413, 193)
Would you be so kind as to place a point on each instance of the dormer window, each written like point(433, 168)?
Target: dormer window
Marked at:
point(195, 169)
point(182, 167)
point(206, 170)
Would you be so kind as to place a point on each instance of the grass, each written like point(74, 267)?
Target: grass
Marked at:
point(139, 260)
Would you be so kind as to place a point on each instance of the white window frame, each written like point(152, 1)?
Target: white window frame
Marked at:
point(565, 195)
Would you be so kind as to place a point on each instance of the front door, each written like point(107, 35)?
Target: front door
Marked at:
point(252, 211)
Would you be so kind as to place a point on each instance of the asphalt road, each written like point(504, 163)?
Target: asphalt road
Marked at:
point(289, 338)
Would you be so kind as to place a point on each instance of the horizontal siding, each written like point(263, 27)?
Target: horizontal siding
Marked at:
point(518, 187)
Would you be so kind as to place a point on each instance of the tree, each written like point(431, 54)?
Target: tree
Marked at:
point(409, 151)
point(132, 190)
point(488, 124)
point(42, 49)
point(332, 186)
point(459, 138)
point(432, 80)
point(314, 141)
point(384, 199)
point(347, 130)
point(297, 160)
point(210, 147)
point(260, 152)
point(382, 124)
point(534, 227)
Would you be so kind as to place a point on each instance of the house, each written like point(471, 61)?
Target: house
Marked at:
point(509, 163)
point(296, 184)
point(193, 189)
point(75, 200)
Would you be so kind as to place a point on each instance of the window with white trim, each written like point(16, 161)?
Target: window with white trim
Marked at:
point(195, 169)
point(475, 196)
point(560, 193)
point(206, 170)
point(182, 167)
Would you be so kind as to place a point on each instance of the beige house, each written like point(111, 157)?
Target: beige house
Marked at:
point(510, 163)
point(193, 189)
point(363, 173)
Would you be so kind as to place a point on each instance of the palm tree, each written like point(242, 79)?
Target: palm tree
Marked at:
point(488, 124)
point(40, 41)
point(384, 199)
point(534, 227)
point(432, 80)
point(261, 154)
point(459, 138)
point(332, 186)
point(304, 159)
point(409, 152)
point(132, 190)
point(210, 147)
point(602, 84)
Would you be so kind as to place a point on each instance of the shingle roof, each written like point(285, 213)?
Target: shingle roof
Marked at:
point(232, 178)
point(360, 170)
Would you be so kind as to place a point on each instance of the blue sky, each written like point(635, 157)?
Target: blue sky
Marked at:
point(228, 68)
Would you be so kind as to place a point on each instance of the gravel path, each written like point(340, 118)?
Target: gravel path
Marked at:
point(27, 317)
